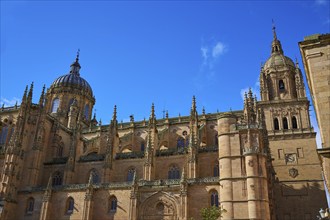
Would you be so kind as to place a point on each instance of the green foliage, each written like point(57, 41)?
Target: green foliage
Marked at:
point(212, 213)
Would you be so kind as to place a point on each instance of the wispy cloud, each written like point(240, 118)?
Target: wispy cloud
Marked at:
point(218, 50)
point(9, 102)
point(321, 2)
point(211, 50)
point(255, 90)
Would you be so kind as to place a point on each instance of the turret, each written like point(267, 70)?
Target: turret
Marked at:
point(73, 115)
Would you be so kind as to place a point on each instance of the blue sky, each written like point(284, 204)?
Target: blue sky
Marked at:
point(135, 53)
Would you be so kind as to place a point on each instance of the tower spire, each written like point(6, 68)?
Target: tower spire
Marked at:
point(276, 44)
point(75, 66)
point(274, 30)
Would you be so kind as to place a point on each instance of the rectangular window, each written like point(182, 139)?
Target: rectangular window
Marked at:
point(300, 152)
point(280, 154)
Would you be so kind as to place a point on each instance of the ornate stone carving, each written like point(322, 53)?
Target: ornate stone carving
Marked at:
point(293, 172)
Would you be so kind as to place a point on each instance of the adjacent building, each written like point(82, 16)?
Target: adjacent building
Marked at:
point(315, 52)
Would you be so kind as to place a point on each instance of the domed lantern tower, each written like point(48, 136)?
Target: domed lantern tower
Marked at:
point(70, 97)
point(290, 134)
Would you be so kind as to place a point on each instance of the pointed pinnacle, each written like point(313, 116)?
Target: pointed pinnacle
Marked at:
point(250, 93)
point(152, 113)
point(30, 92)
point(114, 116)
point(41, 99)
point(193, 106)
point(25, 93)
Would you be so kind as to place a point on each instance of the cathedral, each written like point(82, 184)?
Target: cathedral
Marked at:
point(57, 161)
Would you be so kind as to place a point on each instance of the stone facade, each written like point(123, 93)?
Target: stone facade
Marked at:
point(315, 51)
point(60, 163)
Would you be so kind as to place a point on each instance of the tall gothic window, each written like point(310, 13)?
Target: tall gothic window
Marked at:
point(216, 169)
point(57, 179)
point(276, 125)
point(112, 204)
point(3, 135)
point(214, 199)
point(30, 205)
point(69, 205)
point(55, 105)
point(142, 147)
point(174, 172)
point(216, 140)
point(285, 123)
point(86, 112)
point(130, 174)
point(95, 176)
point(59, 151)
point(180, 143)
point(294, 122)
point(281, 85)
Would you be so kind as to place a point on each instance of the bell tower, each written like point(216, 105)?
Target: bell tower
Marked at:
point(291, 137)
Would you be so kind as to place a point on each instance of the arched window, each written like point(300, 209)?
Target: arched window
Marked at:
point(214, 199)
point(281, 85)
point(294, 122)
point(86, 111)
point(216, 169)
point(55, 105)
point(216, 140)
point(174, 172)
point(3, 136)
point(285, 123)
point(130, 174)
point(57, 179)
point(59, 151)
point(69, 205)
point(180, 143)
point(30, 205)
point(276, 125)
point(142, 147)
point(95, 176)
point(112, 204)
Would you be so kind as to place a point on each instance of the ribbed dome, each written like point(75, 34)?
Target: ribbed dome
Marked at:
point(73, 79)
point(278, 60)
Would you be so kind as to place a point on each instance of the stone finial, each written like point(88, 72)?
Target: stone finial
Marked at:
point(30, 92)
point(131, 118)
point(114, 116)
point(193, 105)
point(274, 30)
point(25, 94)
point(152, 112)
